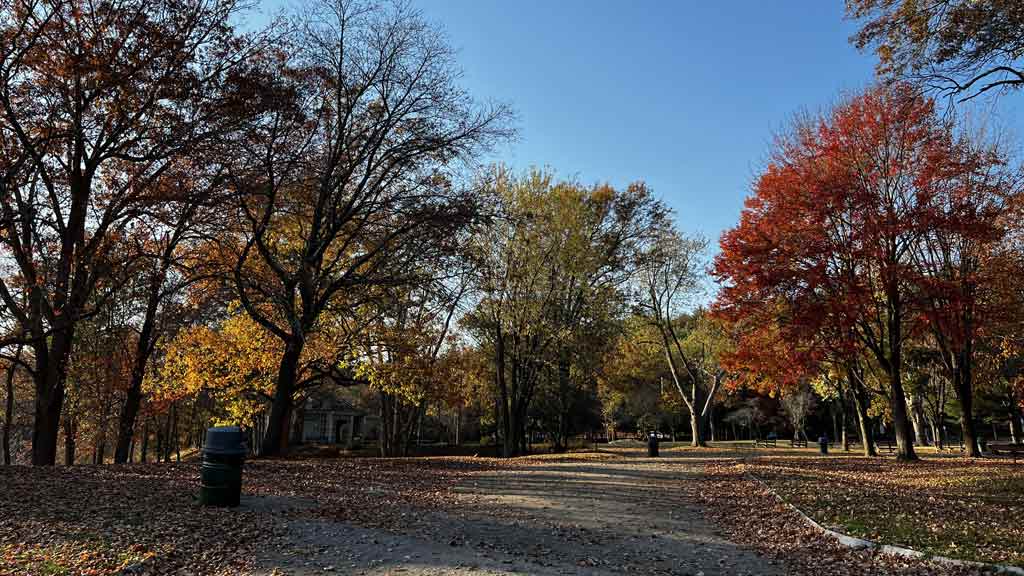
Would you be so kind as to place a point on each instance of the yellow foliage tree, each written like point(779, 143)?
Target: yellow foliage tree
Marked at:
point(236, 365)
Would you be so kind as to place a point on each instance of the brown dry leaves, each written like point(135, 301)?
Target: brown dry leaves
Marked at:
point(376, 493)
point(143, 519)
point(103, 519)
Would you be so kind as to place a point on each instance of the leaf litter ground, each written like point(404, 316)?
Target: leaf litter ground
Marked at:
point(608, 512)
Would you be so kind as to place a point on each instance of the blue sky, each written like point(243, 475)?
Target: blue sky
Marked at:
point(683, 94)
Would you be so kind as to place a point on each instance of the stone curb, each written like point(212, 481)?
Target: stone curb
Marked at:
point(859, 543)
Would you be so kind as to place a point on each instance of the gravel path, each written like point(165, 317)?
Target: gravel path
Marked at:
point(545, 516)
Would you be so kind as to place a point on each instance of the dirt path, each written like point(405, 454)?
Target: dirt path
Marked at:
point(614, 515)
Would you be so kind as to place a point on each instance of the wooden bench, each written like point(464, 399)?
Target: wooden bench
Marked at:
point(798, 443)
point(764, 443)
point(1000, 448)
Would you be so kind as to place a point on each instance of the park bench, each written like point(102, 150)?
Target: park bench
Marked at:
point(798, 443)
point(764, 442)
point(1001, 448)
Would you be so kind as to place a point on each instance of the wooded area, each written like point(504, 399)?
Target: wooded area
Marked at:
point(203, 226)
point(300, 229)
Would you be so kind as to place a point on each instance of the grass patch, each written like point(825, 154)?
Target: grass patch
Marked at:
point(965, 509)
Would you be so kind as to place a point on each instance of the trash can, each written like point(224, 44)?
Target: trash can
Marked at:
point(221, 470)
point(652, 444)
point(823, 444)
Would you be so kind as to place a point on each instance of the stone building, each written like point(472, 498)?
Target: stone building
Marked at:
point(330, 419)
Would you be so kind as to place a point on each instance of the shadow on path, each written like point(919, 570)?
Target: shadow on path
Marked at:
point(612, 515)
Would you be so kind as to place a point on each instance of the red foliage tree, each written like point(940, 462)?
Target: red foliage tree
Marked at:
point(829, 246)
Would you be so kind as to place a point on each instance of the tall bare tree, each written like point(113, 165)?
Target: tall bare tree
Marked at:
point(351, 179)
point(669, 280)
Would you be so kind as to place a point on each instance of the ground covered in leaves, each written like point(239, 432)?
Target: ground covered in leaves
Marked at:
point(602, 513)
point(144, 518)
point(953, 507)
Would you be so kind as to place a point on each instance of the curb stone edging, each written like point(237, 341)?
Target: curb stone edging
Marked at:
point(860, 543)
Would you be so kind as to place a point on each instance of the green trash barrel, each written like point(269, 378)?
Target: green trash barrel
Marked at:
point(221, 470)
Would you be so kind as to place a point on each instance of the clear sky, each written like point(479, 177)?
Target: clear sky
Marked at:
point(682, 94)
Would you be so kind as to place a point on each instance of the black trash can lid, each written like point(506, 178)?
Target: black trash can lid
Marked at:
point(225, 440)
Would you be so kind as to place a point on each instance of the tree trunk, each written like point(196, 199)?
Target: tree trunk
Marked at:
point(50, 376)
point(937, 436)
point(504, 423)
point(844, 435)
point(9, 406)
point(898, 405)
point(458, 425)
point(900, 418)
point(918, 420)
point(385, 421)
point(166, 454)
point(524, 447)
point(564, 403)
point(133, 397)
point(275, 440)
point(892, 363)
point(860, 402)
point(841, 409)
point(499, 427)
point(70, 432)
point(696, 418)
point(1015, 431)
point(99, 450)
point(695, 428)
point(174, 434)
point(399, 420)
point(512, 433)
point(962, 383)
point(145, 442)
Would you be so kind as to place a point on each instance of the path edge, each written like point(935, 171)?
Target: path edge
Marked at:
point(860, 543)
